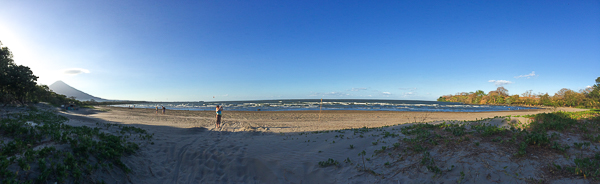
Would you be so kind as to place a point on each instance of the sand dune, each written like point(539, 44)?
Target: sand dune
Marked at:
point(270, 147)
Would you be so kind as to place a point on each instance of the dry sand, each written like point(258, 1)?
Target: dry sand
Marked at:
point(269, 147)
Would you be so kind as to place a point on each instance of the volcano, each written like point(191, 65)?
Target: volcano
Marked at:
point(63, 88)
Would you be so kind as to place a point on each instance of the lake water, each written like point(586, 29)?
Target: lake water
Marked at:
point(328, 104)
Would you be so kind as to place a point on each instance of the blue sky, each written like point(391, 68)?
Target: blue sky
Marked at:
point(247, 50)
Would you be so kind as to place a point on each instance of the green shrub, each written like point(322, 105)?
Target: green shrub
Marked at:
point(329, 162)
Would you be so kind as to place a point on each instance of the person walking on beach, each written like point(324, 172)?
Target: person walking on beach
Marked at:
point(156, 110)
point(163, 108)
point(219, 111)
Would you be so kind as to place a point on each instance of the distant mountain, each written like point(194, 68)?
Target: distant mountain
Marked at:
point(63, 88)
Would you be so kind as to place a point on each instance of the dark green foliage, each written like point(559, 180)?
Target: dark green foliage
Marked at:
point(559, 147)
point(389, 134)
point(536, 138)
point(16, 81)
point(489, 130)
point(581, 145)
point(428, 161)
point(457, 130)
point(591, 137)
point(329, 162)
point(88, 149)
point(589, 167)
point(553, 121)
point(417, 148)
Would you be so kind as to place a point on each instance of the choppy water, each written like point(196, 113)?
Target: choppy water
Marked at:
point(328, 104)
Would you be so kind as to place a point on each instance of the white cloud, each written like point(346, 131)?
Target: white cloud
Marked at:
point(357, 89)
point(532, 74)
point(500, 82)
point(588, 87)
point(387, 93)
point(75, 71)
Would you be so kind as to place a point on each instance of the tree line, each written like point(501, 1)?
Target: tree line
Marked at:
point(585, 98)
point(18, 84)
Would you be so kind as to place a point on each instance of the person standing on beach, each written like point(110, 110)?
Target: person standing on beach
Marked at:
point(164, 109)
point(219, 111)
point(156, 110)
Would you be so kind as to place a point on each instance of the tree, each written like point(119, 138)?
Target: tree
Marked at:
point(16, 81)
point(528, 94)
point(480, 93)
point(22, 82)
point(588, 98)
point(545, 100)
point(561, 93)
point(6, 62)
point(502, 91)
point(595, 93)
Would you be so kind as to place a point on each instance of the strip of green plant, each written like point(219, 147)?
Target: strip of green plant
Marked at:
point(88, 149)
point(589, 167)
point(328, 163)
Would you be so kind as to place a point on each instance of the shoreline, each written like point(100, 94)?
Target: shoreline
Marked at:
point(298, 121)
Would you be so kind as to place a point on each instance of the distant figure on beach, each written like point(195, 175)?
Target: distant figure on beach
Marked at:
point(163, 108)
point(156, 110)
point(219, 113)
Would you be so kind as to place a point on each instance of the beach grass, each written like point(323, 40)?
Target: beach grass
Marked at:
point(544, 134)
point(38, 147)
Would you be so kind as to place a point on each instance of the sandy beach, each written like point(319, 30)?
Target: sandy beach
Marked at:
point(283, 147)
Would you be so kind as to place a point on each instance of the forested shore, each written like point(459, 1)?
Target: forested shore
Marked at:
point(585, 98)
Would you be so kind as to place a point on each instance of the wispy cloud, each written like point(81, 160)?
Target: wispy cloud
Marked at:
point(408, 89)
point(75, 71)
point(357, 89)
point(338, 94)
point(387, 93)
point(500, 82)
point(532, 74)
point(406, 94)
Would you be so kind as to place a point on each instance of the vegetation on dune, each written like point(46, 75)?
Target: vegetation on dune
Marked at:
point(543, 134)
point(586, 98)
point(546, 134)
point(329, 162)
point(49, 150)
